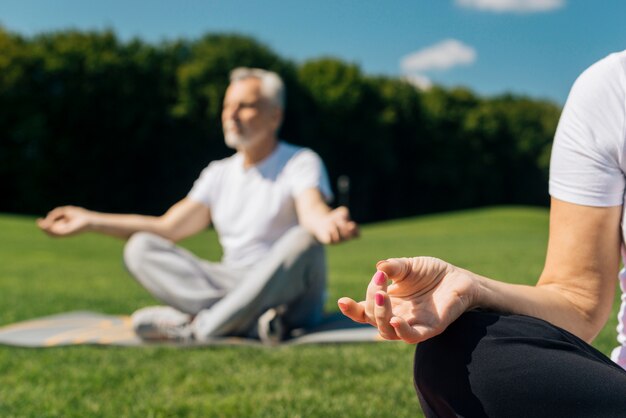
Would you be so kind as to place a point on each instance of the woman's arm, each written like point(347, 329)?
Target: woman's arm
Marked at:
point(577, 285)
point(575, 290)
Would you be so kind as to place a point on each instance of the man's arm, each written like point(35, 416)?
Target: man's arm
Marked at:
point(575, 290)
point(185, 218)
point(328, 225)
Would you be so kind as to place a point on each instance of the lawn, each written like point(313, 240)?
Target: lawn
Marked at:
point(41, 276)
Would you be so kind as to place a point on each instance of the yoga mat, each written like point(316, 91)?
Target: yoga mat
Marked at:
point(85, 327)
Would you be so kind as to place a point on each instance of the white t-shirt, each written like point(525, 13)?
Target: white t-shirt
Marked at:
point(252, 208)
point(589, 152)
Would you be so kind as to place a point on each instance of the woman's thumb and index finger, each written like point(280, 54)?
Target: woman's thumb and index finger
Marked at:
point(395, 269)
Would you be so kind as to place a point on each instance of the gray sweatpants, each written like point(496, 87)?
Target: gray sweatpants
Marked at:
point(228, 300)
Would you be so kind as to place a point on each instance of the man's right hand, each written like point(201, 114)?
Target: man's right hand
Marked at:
point(65, 221)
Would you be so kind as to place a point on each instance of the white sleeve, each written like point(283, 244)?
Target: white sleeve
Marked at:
point(203, 187)
point(586, 166)
point(306, 171)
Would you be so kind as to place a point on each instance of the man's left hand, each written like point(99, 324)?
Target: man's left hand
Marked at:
point(337, 226)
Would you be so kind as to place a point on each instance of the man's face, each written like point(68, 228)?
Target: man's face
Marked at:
point(248, 118)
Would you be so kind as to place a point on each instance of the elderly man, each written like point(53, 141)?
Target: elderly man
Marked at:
point(267, 203)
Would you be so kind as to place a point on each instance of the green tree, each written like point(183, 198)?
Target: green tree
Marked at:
point(89, 120)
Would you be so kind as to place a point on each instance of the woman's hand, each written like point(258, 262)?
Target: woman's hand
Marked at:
point(425, 296)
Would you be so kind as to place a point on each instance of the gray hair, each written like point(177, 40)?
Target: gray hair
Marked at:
point(272, 86)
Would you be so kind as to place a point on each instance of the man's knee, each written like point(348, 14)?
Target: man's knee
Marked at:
point(300, 238)
point(138, 246)
point(308, 251)
point(298, 245)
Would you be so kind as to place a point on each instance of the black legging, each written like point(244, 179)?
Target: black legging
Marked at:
point(495, 365)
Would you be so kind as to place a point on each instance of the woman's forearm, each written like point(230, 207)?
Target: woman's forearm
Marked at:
point(574, 311)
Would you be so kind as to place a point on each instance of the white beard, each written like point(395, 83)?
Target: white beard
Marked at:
point(233, 140)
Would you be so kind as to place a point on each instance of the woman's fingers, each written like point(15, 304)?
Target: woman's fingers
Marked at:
point(395, 268)
point(378, 305)
point(412, 299)
point(365, 312)
point(353, 310)
point(382, 314)
point(377, 284)
point(404, 331)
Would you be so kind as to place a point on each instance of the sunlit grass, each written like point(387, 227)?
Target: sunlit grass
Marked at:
point(41, 276)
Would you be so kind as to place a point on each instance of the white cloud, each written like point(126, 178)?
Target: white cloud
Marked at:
point(516, 6)
point(418, 80)
point(441, 56)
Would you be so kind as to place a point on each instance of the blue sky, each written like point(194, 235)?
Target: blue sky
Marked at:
point(530, 47)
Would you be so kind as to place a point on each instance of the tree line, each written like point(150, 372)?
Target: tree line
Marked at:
point(87, 119)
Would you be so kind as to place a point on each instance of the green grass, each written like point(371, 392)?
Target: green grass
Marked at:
point(41, 276)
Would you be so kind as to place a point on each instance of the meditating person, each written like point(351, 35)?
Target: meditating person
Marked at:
point(268, 204)
point(487, 348)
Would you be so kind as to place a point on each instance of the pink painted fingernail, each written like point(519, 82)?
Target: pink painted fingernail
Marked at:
point(380, 299)
point(379, 278)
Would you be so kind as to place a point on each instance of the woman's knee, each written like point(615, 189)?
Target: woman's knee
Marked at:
point(443, 364)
